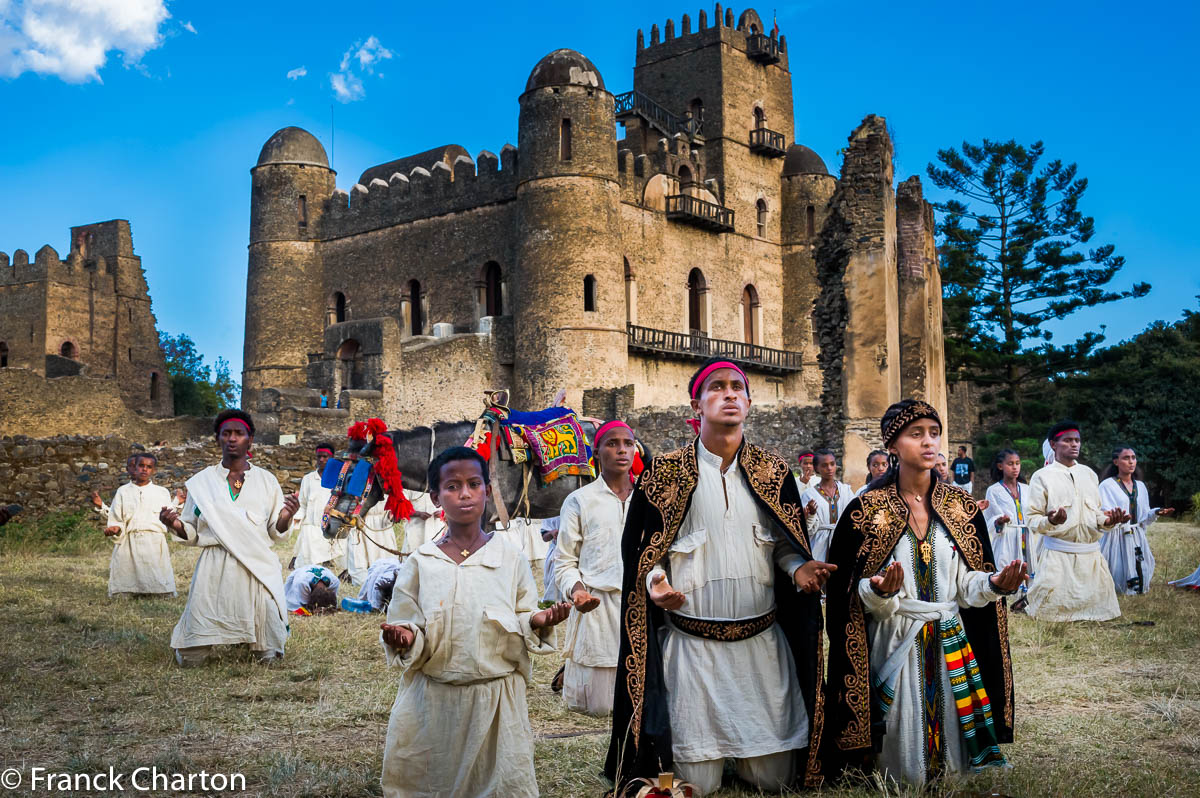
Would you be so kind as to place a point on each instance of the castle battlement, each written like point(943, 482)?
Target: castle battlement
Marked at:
point(724, 29)
point(422, 194)
point(48, 266)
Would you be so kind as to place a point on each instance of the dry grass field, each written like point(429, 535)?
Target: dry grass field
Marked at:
point(88, 683)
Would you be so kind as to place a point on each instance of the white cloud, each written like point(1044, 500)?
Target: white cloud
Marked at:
point(359, 60)
point(72, 39)
point(189, 27)
point(297, 73)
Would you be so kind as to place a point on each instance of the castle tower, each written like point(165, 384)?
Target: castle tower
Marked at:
point(569, 282)
point(734, 81)
point(284, 305)
point(806, 190)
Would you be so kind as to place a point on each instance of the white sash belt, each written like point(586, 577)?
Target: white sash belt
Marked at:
point(919, 613)
point(1057, 544)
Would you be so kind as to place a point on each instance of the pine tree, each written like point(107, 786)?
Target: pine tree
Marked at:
point(1012, 260)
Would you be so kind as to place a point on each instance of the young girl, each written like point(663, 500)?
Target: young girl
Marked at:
point(462, 620)
point(1007, 499)
point(1125, 546)
point(911, 604)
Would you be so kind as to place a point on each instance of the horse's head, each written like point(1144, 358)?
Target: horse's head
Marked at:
point(361, 478)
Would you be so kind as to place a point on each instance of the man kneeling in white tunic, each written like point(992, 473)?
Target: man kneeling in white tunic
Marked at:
point(141, 562)
point(461, 623)
point(720, 651)
point(233, 512)
point(1073, 581)
point(587, 569)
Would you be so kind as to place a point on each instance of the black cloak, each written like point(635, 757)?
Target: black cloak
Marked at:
point(640, 746)
point(865, 536)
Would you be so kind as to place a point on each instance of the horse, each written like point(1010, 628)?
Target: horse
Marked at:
point(415, 449)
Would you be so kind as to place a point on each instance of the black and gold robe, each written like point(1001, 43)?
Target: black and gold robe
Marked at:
point(640, 746)
point(862, 542)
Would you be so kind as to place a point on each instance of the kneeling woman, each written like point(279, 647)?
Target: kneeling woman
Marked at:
point(919, 665)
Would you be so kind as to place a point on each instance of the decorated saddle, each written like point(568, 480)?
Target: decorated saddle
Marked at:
point(552, 440)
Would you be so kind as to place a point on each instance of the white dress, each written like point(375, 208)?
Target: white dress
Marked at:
point(822, 523)
point(367, 546)
point(1073, 581)
point(460, 723)
point(1006, 541)
point(899, 659)
point(419, 531)
point(141, 561)
point(299, 584)
point(312, 547)
point(729, 699)
point(589, 551)
point(236, 594)
point(1126, 544)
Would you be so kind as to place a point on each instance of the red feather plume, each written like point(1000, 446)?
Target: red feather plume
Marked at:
point(387, 469)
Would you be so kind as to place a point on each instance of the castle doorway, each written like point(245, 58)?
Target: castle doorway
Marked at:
point(68, 349)
point(697, 303)
point(493, 293)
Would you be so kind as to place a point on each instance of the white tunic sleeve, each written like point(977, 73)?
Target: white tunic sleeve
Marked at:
point(570, 541)
point(405, 610)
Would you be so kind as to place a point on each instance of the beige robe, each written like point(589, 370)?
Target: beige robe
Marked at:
point(312, 547)
point(1070, 585)
point(141, 562)
point(237, 593)
point(365, 547)
point(460, 724)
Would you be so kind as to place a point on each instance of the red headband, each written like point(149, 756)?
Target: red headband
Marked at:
point(1064, 432)
point(720, 364)
point(609, 427)
point(325, 449)
point(806, 456)
point(229, 421)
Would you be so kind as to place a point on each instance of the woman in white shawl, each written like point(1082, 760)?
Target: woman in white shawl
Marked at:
point(1125, 546)
point(1004, 512)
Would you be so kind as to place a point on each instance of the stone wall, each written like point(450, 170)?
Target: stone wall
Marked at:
point(59, 473)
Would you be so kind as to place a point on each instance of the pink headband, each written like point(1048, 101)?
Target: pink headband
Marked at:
point(609, 427)
point(720, 364)
point(325, 449)
point(229, 421)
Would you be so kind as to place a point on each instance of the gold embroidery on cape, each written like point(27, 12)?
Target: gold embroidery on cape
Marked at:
point(1002, 628)
point(765, 473)
point(669, 481)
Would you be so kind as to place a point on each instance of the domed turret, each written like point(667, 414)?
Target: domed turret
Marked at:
point(289, 187)
point(564, 68)
point(801, 160)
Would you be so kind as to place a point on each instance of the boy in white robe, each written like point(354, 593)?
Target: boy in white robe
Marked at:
point(1073, 581)
point(461, 623)
point(824, 502)
point(141, 561)
point(588, 571)
point(311, 590)
point(312, 547)
point(424, 524)
point(234, 512)
point(1126, 548)
point(376, 541)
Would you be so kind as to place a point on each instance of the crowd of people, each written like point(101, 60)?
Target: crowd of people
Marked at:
point(719, 609)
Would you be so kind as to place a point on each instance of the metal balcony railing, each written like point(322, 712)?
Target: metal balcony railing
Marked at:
point(690, 346)
point(700, 213)
point(763, 48)
point(634, 102)
point(767, 142)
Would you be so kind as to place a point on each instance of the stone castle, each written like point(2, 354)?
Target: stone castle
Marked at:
point(606, 267)
point(87, 316)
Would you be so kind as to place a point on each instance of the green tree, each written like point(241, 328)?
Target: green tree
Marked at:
point(198, 389)
point(1012, 260)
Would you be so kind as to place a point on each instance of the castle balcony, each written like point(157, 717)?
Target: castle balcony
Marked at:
point(634, 103)
point(700, 213)
point(763, 49)
point(687, 346)
point(768, 143)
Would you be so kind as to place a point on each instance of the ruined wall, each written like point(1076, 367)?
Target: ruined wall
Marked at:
point(923, 362)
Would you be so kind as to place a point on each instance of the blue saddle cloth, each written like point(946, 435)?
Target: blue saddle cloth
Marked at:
point(525, 418)
point(356, 483)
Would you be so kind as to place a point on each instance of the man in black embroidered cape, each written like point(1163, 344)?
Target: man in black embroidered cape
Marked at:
point(862, 542)
point(663, 528)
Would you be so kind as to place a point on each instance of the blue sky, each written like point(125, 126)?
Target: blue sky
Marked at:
point(156, 114)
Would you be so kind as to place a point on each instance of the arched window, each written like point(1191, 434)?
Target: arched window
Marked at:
point(750, 313)
point(153, 386)
point(761, 207)
point(697, 303)
point(339, 307)
point(564, 141)
point(685, 178)
point(810, 220)
point(760, 117)
point(630, 294)
point(347, 356)
point(493, 290)
point(3, 355)
point(68, 350)
point(589, 293)
point(416, 317)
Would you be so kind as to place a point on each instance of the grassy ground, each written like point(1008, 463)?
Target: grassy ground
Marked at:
point(88, 683)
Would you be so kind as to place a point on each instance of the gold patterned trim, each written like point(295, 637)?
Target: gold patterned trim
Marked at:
point(765, 473)
point(907, 416)
point(722, 631)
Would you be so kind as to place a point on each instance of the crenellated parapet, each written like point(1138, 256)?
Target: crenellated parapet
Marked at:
point(47, 266)
point(672, 40)
point(422, 193)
